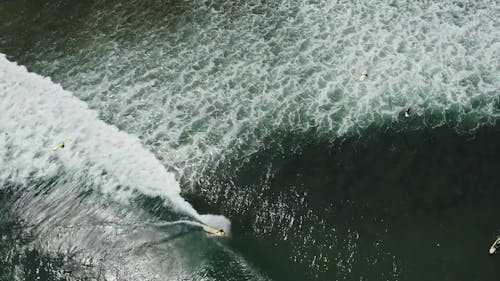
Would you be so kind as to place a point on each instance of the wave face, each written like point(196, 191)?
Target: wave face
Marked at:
point(222, 90)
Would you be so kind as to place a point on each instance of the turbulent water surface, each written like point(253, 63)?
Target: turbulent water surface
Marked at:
point(249, 116)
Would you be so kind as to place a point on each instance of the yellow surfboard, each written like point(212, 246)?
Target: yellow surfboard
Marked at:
point(60, 145)
point(214, 231)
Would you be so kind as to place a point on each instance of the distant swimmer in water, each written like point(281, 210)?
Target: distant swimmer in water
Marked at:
point(364, 76)
point(495, 245)
point(407, 112)
point(214, 231)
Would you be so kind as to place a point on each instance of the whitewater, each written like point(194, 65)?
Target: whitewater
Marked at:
point(51, 114)
point(222, 79)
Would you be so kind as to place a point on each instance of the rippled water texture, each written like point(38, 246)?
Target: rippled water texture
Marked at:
point(203, 81)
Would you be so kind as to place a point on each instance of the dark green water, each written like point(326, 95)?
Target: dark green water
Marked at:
point(414, 205)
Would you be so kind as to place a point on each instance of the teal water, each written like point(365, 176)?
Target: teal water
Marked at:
point(254, 111)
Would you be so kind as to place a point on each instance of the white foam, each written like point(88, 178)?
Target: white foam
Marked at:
point(247, 70)
point(35, 114)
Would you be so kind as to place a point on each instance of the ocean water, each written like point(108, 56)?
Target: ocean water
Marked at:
point(249, 116)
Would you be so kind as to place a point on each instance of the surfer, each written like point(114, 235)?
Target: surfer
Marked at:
point(60, 145)
point(495, 245)
point(364, 76)
point(407, 112)
point(214, 231)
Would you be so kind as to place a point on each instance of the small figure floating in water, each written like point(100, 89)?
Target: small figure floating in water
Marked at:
point(364, 76)
point(407, 112)
point(214, 231)
point(495, 245)
point(60, 145)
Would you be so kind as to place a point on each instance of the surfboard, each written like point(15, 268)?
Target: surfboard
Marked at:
point(214, 231)
point(494, 246)
point(60, 145)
